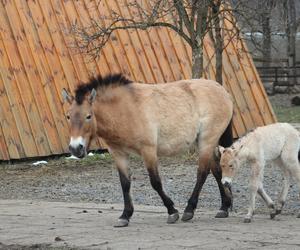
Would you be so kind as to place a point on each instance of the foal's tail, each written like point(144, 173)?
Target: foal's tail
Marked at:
point(226, 139)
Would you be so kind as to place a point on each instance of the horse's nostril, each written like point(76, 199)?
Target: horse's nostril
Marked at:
point(80, 146)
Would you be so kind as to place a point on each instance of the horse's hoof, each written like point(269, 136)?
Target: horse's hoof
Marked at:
point(172, 218)
point(222, 214)
point(247, 220)
point(187, 216)
point(122, 223)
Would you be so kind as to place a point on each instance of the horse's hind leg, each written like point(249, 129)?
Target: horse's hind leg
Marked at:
point(226, 195)
point(151, 163)
point(123, 169)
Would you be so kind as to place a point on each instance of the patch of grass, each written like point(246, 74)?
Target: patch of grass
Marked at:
point(287, 114)
point(101, 158)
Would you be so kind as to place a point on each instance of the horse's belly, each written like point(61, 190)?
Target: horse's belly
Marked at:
point(175, 145)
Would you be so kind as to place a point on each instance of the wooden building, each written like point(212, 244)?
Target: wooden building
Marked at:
point(37, 60)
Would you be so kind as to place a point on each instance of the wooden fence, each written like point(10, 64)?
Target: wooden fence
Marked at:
point(37, 61)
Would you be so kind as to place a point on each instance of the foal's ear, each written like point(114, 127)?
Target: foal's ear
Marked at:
point(66, 96)
point(218, 152)
point(92, 96)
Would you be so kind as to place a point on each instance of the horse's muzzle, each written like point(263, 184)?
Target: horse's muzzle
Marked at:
point(79, 151)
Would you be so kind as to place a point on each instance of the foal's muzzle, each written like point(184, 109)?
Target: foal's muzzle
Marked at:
point(78, 151)
point(227, 185)
point(228, 192)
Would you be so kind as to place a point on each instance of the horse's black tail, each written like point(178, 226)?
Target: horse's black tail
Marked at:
point(226, 139)
point(299, 149)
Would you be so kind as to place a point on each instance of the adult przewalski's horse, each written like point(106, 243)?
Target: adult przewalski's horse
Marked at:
point(153, 120)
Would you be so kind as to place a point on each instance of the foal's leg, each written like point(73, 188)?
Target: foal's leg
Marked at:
point(203, 171)
point(226, 196)
point(151, 163)
point(123, 169)
point(290, 160)
point(263, 193)
point(254, 185)
point(284, 191)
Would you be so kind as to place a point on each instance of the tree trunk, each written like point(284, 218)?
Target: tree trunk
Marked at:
point(197, 62)
point(266, 29)
point(218, 42)
point(292, 39)
point(219, 62)
point(290, 20)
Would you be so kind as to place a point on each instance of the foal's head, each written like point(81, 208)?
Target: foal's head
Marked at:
point(80, 116)
point(228, 162)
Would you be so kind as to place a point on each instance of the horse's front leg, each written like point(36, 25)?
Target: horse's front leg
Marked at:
point(123, 169)
point(151, 163)
point(226, 194)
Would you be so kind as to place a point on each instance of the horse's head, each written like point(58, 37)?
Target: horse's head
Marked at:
point(228, 163)
point(82, 122)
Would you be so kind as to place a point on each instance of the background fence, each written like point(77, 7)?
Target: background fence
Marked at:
point(37, 61)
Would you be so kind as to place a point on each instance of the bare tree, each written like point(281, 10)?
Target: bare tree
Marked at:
point(290, 21)
point(191, 19)
point(265, 16)
point(216, 36)
point(255, 18)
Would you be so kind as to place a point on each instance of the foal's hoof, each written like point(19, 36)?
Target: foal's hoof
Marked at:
point(222, 214)
point(187, 216)
point(172, 218)
point(247, 220)
point(273, 214)
point(122, 223)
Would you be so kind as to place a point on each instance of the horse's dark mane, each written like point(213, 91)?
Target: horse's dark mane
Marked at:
point(99, 81)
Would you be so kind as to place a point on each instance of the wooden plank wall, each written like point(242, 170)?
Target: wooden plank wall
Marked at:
point(37, 61)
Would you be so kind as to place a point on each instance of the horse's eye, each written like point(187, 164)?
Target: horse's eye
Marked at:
point(68, 117)
point(88, 117)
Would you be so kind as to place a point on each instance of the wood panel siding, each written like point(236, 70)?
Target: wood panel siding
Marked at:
point(37, 60)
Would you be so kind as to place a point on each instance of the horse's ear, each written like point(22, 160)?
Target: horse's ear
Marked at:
point(92, 96)
point(66, 96)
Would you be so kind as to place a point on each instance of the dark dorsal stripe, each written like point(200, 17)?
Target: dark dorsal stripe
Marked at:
point(99, 81)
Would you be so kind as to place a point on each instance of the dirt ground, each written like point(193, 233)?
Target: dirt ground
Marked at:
point(29, 225)
point(94, 182)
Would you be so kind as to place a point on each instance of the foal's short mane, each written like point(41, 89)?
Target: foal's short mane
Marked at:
point(99, 81)
point(241, 140)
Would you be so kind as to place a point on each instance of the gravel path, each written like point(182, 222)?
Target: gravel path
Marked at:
point(95, 179)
